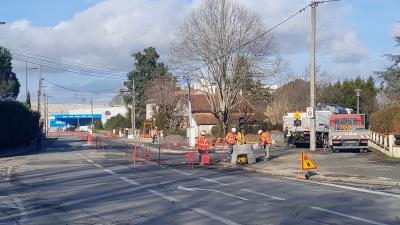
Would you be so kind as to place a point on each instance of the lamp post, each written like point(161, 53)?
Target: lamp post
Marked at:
point(358, 99)
point(26, 77)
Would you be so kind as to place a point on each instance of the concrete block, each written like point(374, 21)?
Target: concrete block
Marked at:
point(246, 149)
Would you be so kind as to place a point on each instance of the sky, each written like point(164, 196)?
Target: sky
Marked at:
point(352, 37)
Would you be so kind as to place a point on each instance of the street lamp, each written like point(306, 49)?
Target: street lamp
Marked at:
point(358, 99)
point(26, 77)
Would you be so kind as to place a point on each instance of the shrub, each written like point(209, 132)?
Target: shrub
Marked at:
point(18, 124)
point(117, 122)
point(98, 125)
point(386, 120)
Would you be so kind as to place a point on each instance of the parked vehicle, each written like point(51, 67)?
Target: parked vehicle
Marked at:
point(298, 125)
point(347, 132)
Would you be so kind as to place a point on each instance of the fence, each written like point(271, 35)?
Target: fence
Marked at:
point(175, 156)
point(388, 144)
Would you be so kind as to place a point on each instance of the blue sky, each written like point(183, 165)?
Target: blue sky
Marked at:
point(352, 34)
point(42, 12)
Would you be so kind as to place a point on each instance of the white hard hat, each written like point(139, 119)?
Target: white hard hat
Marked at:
point(203, 132)
point(260, 131)
point(234, 130)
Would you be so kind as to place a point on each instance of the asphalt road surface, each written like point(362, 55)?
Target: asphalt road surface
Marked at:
point(68, 183)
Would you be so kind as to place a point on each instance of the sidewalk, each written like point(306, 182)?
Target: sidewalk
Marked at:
point(371, 168)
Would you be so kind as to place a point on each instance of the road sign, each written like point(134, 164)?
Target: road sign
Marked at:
point(296, 116)
point(307, 163)
point(346, 127)
point(310, 112)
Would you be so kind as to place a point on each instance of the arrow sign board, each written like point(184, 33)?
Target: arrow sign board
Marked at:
point(307, 163)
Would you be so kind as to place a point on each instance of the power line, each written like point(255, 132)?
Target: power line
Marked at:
point(65, 69)
point(67, 61)
point(105, 91)
point(254, 39)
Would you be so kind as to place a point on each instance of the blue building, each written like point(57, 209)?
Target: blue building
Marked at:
point(72, 120)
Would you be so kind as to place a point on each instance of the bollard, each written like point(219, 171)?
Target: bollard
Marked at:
point(220, 160)
point(139, 157)
point(159, 156)
point(134, 154)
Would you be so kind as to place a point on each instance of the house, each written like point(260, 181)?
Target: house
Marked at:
point(204, 119)
point(202, 116)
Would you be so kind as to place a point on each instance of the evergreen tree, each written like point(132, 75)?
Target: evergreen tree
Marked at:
point(9, 84)
point(146, 69)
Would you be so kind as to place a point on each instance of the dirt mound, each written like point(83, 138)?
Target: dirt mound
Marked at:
point(172, 139)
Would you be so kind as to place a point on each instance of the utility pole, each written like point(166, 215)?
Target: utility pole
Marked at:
point(133, 113)
point(47, 114)
point(358, 100)
point(40, 88)
point(26, 79)
point(312, 79)
point(44, 112)
point(91, 108)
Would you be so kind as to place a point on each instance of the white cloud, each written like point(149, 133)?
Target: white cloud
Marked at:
point(107, 33)
point(396, 30)
point(20, 25)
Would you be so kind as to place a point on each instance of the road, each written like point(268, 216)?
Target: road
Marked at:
point(68, 183)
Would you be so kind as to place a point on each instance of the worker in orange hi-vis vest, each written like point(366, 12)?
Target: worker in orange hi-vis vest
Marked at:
point(266, 142)
point(231, 139)
point(202, 145)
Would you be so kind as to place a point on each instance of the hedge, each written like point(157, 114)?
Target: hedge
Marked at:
point(386, 120)
point(18, 124)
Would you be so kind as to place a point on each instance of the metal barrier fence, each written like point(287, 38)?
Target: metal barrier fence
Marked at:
point(178, 156)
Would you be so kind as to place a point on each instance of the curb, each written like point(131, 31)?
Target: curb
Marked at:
point(319, 177)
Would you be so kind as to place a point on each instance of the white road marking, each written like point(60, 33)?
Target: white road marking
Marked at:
point(129, 181)
point(109, 171)
point(349, 216)
point(212, 181)
point(214, 216)
point(350, 188)
point(89, 160)
point(166, 197)
point(262, 194)
point(213, 190)
point(8, 173)
point(181, 172)
point(98, 165)
point(22, 212)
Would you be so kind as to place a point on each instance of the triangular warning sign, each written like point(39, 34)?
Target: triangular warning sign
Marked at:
point(307, 163)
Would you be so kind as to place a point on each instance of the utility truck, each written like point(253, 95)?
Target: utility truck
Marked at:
point(298, 125)
point(347, 132)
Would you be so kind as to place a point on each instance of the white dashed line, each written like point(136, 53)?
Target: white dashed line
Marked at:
point(109, 171)
point(214, 216)
point(349, 216)
point(129, 181)
point(8, 173)
point(89, 160)
point(212, 190)
point(97, 165)
point(181, 172)
point(166, 197)
point(262, 194)
point(213, 181)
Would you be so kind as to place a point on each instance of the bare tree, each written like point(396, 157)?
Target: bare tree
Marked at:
point(221, 44)
point(164, 93)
